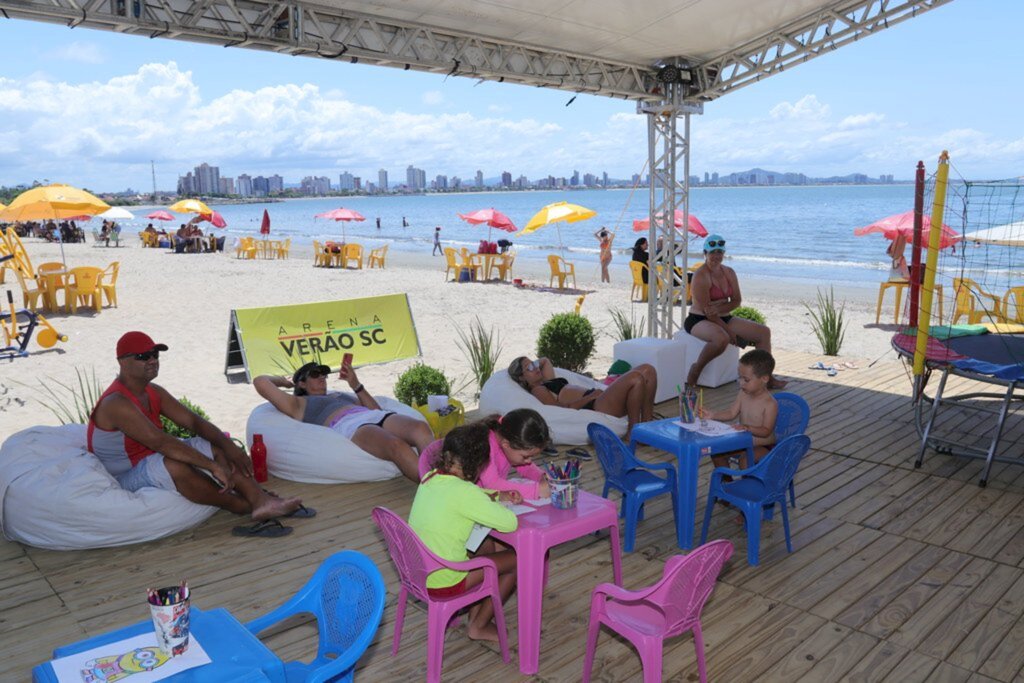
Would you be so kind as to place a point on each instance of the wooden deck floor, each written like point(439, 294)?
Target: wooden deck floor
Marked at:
point(897, 574)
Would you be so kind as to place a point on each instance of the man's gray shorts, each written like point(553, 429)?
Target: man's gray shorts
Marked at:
point(151, 471)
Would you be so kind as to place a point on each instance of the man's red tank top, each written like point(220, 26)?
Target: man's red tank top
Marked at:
point(132, 449)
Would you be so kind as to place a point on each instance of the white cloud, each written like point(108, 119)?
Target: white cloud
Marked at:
point(432, 98)
point(861, 121)
point(77, 51)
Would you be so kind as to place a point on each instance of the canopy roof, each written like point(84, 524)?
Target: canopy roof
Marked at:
point(606, 47)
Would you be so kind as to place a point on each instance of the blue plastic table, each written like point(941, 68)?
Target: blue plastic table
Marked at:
point(236, 654)
point(689, 447)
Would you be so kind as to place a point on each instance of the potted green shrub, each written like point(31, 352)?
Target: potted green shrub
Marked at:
point(420, 381)
point(567, 339)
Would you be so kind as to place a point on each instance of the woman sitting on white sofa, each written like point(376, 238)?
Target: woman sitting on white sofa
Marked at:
point(630, 396)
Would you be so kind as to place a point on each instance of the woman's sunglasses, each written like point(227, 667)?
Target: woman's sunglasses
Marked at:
point(716, 243)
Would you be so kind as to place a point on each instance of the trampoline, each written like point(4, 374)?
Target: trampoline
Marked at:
point(994, 359)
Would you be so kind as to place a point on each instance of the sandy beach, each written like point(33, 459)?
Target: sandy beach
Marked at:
point(185, 300)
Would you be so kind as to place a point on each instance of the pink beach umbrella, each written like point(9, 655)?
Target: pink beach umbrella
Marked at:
point(695, 227)
point(903, 224)
point(160, 215)
point(214, 218)
point(345, 215)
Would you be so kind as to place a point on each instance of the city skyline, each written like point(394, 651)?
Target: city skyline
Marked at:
point(93, 108)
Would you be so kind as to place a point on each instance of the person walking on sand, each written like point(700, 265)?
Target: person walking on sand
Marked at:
point(126, 434)
point(437, 242)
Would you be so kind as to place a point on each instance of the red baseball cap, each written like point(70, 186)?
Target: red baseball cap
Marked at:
point(137, 342)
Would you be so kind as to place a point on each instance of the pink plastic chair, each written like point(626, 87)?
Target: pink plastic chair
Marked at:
point(670, 607)
point(428, 455)
point(414, 562)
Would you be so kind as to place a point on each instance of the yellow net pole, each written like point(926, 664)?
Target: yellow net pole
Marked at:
point(928, 286)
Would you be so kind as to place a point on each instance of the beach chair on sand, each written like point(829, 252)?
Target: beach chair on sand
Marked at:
point(377, 257)
point(284, 248)
point(352, 252)
point(84, 284)
point(108, 283)
point(246, 248)
point(347, 597)
point(978, 305)
point(321, 259)
point(451, 262)
point(503, 264)
point(671, 607)
point(561, 269)
point(637, 269)
point(29, 295)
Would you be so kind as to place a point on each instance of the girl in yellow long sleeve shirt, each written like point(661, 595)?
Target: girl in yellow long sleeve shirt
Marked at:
point(447, 505)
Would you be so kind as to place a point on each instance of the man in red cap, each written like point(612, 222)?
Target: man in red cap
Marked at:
point(125, 433)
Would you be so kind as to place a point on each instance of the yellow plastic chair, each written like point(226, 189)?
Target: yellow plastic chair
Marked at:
point(971, 300)
point(502, 264)
point(284, 249)
point(377, 257)
point(561, 269)
point(108, 283)
point(1013, 305)
point(451, 263)
point(353, 252)
point(246, 248)
point(883, 287)
point(52, 279)
point(29, 295)
point(321, 259)
point(637, 270)
point(85, 284)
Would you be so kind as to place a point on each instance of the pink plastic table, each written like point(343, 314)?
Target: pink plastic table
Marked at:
point(538, 531)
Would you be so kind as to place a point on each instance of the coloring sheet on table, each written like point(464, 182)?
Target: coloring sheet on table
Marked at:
point(518, 509)
point(712, 428)
point(138, 658)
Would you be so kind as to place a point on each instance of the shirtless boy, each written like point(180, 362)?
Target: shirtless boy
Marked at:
point(755, 406)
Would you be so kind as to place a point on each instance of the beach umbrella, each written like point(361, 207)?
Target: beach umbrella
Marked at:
point(117, 213)
point(344, 215)
point(1009, 235)
point(53, 202)
point(160, 215)
point(694, 226)
point(559, 212)
point(214, 218)
point(190, 206)
point(493, 219)
point(265, 225)
point(903, 224)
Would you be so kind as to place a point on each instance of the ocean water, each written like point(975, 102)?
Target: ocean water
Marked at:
point(790, 233)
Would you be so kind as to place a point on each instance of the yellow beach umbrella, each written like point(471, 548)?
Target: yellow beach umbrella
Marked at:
point(554, 213)
point(191, 206)
point(52, 202)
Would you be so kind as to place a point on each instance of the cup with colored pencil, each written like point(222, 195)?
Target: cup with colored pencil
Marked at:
point(169, 608)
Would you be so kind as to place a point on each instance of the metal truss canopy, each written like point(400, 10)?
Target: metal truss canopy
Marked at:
point(720, 46)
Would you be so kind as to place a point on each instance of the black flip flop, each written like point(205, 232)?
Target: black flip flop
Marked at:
point(302, 512)
point(581, 453)
point(550, 451)
point(268, 528)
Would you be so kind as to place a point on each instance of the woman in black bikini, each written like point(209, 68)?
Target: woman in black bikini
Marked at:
point(631, 395)
point(715, 293)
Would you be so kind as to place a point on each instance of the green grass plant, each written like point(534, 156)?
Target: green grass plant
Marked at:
point(828, 322)
point(626, 326)
point(70, 403)
point(481, 347)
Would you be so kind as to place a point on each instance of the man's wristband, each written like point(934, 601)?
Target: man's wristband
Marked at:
point(358, 389)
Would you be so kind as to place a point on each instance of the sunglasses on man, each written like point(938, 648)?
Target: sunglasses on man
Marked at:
point(143, 357)
point(716, 243)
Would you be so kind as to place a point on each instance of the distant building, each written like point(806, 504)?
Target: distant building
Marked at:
point(275, 184)
point(522, 182)
point(315, 186)
point(358, 182)
point(371, 188)
point(227, 185)
point(506, 179)
point(260, 186)
point(382, 180)
point(207, 179)
point(456, 183)
point(187, 185)
point(415, 178)
point(479, 179)
point(706, 177)
point(441, 182)
point(575, 180)
point(604, 179)
point(243, 185)
point(346, 181)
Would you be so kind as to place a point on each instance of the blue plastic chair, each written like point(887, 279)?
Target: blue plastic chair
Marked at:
point(623, 472)
point(794, 414)
point(346, 595)
point(761, 486)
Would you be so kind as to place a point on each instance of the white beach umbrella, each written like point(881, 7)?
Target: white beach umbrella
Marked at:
point(117, 213)
point(1009, 235)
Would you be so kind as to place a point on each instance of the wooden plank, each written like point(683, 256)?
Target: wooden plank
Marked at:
point(876, 664)
point(913, 668)
point(850, 649)
point(975, 649)
point(1007, 658)
point(862, 611)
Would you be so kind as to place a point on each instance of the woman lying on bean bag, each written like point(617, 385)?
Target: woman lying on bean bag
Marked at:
point(358, 416)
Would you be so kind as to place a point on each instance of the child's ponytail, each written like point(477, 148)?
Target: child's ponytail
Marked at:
point(467, 446)
point(523, 428)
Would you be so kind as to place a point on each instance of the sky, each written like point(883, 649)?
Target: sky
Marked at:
point(92, 108)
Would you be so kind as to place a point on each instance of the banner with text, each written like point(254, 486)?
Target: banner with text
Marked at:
point(278, 339)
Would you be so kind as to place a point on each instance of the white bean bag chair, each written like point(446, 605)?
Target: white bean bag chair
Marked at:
point(57, 495)
point(318, 455)
point(568, 426)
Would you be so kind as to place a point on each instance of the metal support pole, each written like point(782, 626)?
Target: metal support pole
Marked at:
point(666, 145)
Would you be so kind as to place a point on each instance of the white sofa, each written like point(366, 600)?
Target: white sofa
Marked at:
point(666, 356)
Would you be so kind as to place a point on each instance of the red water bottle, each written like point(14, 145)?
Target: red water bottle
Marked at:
point(259, 458)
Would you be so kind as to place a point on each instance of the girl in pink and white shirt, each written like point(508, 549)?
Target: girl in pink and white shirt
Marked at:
point(515, 440)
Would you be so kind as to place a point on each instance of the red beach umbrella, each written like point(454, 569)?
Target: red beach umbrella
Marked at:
point(903, 224)
point(160, 215)
point(493, 219)
point(214, 218)
point(265, 225)
point(694, 227)
point(345, 215)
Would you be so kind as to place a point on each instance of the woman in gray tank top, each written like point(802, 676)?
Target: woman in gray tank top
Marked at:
point(356, 416)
